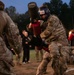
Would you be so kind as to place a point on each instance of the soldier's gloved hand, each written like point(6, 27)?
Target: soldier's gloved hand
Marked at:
point(44, 43)
point(18, 49)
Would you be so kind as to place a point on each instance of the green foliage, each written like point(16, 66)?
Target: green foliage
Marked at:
point(56, 6)
point(11, 12)
point(32, 54)
point(72, 12)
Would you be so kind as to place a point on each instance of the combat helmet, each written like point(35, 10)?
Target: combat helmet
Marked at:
point(1, 5)
point(44, 10)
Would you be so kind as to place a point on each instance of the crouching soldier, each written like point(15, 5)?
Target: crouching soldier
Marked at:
point(55, 35)
point(11, 31)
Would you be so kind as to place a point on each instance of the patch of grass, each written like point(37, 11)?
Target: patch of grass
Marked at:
point(32, 55)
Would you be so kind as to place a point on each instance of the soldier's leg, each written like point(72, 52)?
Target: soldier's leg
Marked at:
point(37, 53)
point(59, 62)
point(43, 65)
point(6, 59)
point(41, 54)
point(19, 58)
point(54, 53)
point(59, 65)
point(64, 59)
point(55, 66)
point(63, 66)
point(65, 51)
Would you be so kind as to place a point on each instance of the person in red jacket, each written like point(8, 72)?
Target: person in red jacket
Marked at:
point(71, 37)
point(35, 25)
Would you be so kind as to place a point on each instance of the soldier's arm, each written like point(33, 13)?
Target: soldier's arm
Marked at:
point(14, 37)
point(47, 32)
point(51, 26)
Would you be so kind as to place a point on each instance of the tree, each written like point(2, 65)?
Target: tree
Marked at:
point(22, 20)
point(11, 12)
point(71, 4)
point(56, 6)
point(65, 16)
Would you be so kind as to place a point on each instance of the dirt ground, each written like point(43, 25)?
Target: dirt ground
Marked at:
point(31, 67)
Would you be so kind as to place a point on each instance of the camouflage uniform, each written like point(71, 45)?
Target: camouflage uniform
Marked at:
point(55, 36)
point(8, 28)
point(37, 54)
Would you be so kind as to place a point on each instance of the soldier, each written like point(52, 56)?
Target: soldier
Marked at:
point(55, 35)
point(8, 28)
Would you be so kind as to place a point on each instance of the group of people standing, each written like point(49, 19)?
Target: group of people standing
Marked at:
point(48, 33)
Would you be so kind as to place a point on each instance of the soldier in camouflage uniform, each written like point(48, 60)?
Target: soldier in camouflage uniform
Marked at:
point(55, 35)
point(8, 28)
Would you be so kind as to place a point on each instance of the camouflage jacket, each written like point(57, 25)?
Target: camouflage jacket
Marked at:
point(8, 28)
point(54, 31)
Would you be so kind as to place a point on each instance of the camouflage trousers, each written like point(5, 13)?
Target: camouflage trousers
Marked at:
point(59, 66)
point(43, 65)
point(58, 63)
point(6, 59)
point(39, 54)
